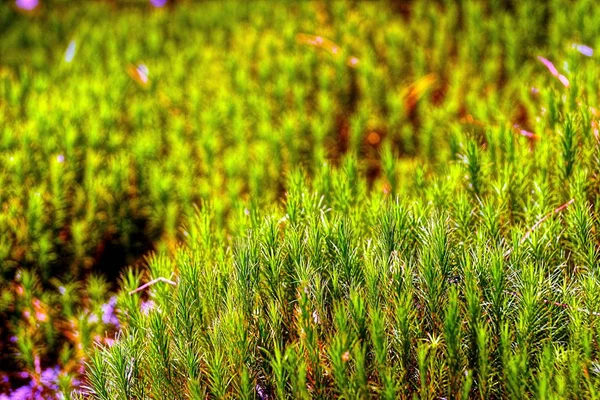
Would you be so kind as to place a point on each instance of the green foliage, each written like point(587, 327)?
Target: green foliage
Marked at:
point(383, 298)
point(331, 199)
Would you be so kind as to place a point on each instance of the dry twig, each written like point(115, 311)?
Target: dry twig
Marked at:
point(152, 282)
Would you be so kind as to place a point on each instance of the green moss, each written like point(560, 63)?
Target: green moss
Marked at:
point(343, 199)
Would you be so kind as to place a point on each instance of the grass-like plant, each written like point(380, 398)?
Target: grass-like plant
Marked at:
point(318, 199)
point(386, 298)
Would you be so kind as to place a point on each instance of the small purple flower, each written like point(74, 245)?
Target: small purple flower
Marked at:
point(147, 306)
point(49, 377)
point(108, 312)
point(143, 72)
point(61, 159)
point(27, 5)
point(583, 49)
point(158, 3)
point(22, 393)
point(70, 53)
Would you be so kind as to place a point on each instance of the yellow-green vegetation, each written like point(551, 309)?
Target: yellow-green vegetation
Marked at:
point(341, 199)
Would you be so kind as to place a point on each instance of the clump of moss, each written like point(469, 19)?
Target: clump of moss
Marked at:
point(445, 213)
